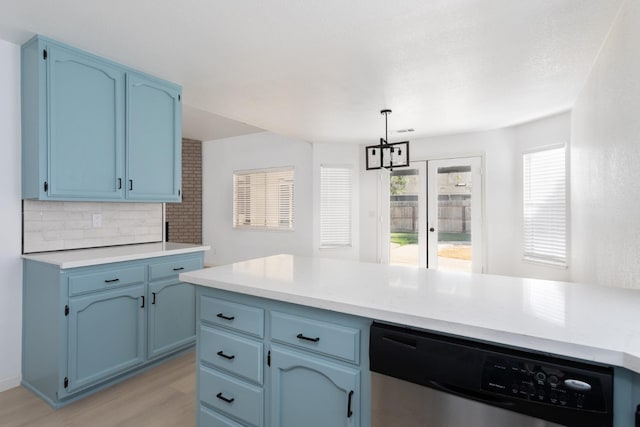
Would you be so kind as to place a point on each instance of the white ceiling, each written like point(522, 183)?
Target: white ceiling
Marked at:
point(321, 70)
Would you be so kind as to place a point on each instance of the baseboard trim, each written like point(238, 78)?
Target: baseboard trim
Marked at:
point(9, 383)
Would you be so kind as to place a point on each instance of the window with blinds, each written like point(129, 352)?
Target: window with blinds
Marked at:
point(335, 206)
point(545, 206)
point(263, 199)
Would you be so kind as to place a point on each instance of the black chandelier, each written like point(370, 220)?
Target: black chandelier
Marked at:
point(386, 155)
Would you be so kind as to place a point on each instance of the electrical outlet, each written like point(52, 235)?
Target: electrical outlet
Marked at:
point(97, 220)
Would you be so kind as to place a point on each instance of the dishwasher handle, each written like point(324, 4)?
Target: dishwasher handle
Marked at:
point(477, 395)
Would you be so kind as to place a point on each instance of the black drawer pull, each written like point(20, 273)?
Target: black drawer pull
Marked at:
point(226, 356)
point(222, 316)
point(154, 298)
point(349, 411)
point(302, 337)
point(178, 269)
point(142, 306)
point(221, 397)
point(111, 281)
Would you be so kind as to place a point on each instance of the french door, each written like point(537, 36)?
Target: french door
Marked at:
point(434, 214)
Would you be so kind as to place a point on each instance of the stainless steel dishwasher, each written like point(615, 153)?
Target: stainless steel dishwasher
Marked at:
point(477, 384)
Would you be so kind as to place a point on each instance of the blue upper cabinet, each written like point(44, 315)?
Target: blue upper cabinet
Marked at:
point(154, 116)
point(93, 130)
point(86, 126)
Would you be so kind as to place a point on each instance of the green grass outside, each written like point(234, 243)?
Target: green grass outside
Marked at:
point(404, 238)
point(412, 238)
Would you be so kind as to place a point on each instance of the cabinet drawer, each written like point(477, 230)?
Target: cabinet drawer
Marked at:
point(231, 396)
point(108, 279)
point(234, 316)
point(209, 418)
point(240, 356)
point(172, 268)
point(321, 337)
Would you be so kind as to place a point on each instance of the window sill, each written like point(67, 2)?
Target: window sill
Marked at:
point(545, 263)
point(270, 229)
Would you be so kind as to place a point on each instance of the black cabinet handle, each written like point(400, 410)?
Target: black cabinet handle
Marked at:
point(226, 356)
point(130, 185)
point(178, 269)
point(119, 183)
point(142, 306)
point(154, 298)
point(302, 337)
point(349, 411)
point(221, 397)
point(222, 316)
point(112, 280)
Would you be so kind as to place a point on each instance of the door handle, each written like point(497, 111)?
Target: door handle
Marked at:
point(349, 411)
point(154, 298)
point(130, 185)
point(432, 229)
point(142, 306)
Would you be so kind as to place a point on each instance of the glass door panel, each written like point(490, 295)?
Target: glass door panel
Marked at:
point(454, 204)
point(407, 216)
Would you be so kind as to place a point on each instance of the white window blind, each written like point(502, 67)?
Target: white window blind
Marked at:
point(335, 206)
point(545, 206)
point(263, 199)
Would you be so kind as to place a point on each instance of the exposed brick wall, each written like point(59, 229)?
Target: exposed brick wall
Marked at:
point(185, 219)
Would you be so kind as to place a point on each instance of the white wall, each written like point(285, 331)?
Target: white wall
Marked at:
point(605, 161)
point(10, 222)
point(552, 130)
point(261, 150)
point(347, 155)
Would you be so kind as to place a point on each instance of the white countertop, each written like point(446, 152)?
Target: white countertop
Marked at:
point(87, 257)
point(587, 322)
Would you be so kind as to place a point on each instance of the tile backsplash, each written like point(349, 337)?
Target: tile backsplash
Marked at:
point(50, 226)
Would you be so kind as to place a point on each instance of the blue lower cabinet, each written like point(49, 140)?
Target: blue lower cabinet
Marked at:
point(172, 317)
point(265, 362)
point(311, 392)
point(209, 418)
point(231, 396)
point(86, 328)
point(105, 335)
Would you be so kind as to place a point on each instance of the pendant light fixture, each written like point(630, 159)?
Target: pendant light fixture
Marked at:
point(385, 154)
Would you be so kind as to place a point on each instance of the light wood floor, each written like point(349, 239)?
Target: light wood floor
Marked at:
point(161, 397)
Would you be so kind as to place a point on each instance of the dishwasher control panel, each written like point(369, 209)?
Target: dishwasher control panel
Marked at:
point(543, 383)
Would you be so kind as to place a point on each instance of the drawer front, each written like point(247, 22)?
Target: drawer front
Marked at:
point(321, 337)
point(225, 351)
point(165, 270)
point(107, 279)
point(239, 317)
point(231, 396)
point(209, 418)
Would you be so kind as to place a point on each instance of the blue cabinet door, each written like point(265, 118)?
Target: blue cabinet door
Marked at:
point(85, 110)
point(311, 392)
point(154, 132)
point(106, 334)
point(172, 318)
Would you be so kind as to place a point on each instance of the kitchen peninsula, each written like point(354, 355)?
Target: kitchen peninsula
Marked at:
point(271, 298)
